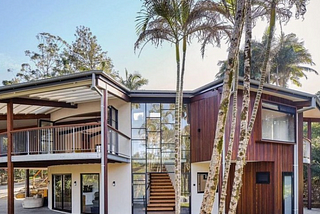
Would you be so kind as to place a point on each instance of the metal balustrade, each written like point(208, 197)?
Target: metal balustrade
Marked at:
point(65, 139)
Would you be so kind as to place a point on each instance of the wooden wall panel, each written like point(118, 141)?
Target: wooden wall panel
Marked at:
point(204, 113)
point(255, 198)
point(204, 110)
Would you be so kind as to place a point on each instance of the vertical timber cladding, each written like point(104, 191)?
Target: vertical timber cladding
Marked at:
point(276, 156)
point(204, 112)
point(255, 197)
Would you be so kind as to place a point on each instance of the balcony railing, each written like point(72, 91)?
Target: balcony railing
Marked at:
point(65, 139)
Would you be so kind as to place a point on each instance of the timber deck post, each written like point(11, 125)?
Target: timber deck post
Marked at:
point(9, 163)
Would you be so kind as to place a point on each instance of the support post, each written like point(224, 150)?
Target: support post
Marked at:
point(309, 169)
point(104, 153)
point(27, 183)
point(9, 163)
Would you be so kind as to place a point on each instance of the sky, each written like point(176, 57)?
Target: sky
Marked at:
point(113, 22)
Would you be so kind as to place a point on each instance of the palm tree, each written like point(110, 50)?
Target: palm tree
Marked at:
point(132, 81)
point(177, 22)
point(289, 61)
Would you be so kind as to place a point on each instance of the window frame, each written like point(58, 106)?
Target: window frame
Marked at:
point(282, 111)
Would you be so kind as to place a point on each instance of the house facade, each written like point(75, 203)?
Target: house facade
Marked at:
point(111, 150)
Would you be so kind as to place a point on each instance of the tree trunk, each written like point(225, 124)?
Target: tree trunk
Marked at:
point(215, 163)
point(177, 135)
point(223, 193)
point(245, 132)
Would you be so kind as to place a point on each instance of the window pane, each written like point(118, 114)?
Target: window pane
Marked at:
point(167, 133)
point(138, 166)
point(153, 110)
point(167, 106)
point(278, 126)
point(153, 124)
point(138, 133)
point(167, 116)
point(153, 140)
point(138, 191)
point(138, 115)
point(138, 149)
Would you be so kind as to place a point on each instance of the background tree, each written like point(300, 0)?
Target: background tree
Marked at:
point(132, 81)
point(86, 54)
point(55, 57)
point(289, 60)
point(46, 61)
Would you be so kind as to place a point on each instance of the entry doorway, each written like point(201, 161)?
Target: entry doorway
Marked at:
point(62, 192)
point(90, 200)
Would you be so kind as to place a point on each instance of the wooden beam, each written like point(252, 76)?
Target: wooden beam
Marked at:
point(26, 116)
point(10, 164)
point(34, 102)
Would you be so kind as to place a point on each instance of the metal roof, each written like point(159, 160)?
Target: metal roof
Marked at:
point(77, 88)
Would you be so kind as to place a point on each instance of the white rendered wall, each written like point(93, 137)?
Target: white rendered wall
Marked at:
point(119, 173)
point(83, 108)
point(196, 198)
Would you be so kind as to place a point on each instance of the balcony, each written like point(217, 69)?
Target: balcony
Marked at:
point(82, 141)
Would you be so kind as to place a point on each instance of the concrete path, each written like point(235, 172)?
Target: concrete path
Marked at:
point(312, 211)
point(18, 208)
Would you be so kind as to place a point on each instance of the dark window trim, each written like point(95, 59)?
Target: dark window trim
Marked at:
point(81, 192)
point(112, 109)
point(201, 174)
point(279, 104)
point(62, 198)
point(292, 189)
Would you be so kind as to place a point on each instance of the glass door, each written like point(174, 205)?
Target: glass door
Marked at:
point(90, 202)
point(287, 195)
point(62, 192)
point(46, 136)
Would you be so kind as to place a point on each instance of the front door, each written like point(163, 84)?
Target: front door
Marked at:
point(62, 192)
point(287, 192)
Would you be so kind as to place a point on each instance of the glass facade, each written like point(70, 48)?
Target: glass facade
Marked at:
point(153, 150)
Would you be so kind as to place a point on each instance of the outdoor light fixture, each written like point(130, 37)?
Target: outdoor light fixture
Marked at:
point(113, 183)
point(75, 183)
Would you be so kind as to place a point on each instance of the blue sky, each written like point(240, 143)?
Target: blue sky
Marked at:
point(113, 22)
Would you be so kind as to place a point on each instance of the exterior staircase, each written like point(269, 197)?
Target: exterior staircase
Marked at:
point(162, 195)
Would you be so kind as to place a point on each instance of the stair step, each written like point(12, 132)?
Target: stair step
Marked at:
point(161, 187)
point(161, 183)
point(154, 197)
point(160, 208)
point(162, 193)
point(162, 205)
point(160, 180)
point(161, 201)
point(162, 190)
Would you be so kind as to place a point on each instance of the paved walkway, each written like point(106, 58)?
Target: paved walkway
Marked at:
point(312, 211)
point(44, 210)
point(18, 208)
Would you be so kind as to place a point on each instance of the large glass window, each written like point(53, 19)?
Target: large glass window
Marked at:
point(278, 122)
point(90, 193)
point(153, 151)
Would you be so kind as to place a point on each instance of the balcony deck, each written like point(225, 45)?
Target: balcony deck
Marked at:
point(64, 144)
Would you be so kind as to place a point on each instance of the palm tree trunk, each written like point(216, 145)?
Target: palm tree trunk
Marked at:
point(178, 166)
point(177, 135)
point(223, 193)
point(245, 132)
point(215, 163)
